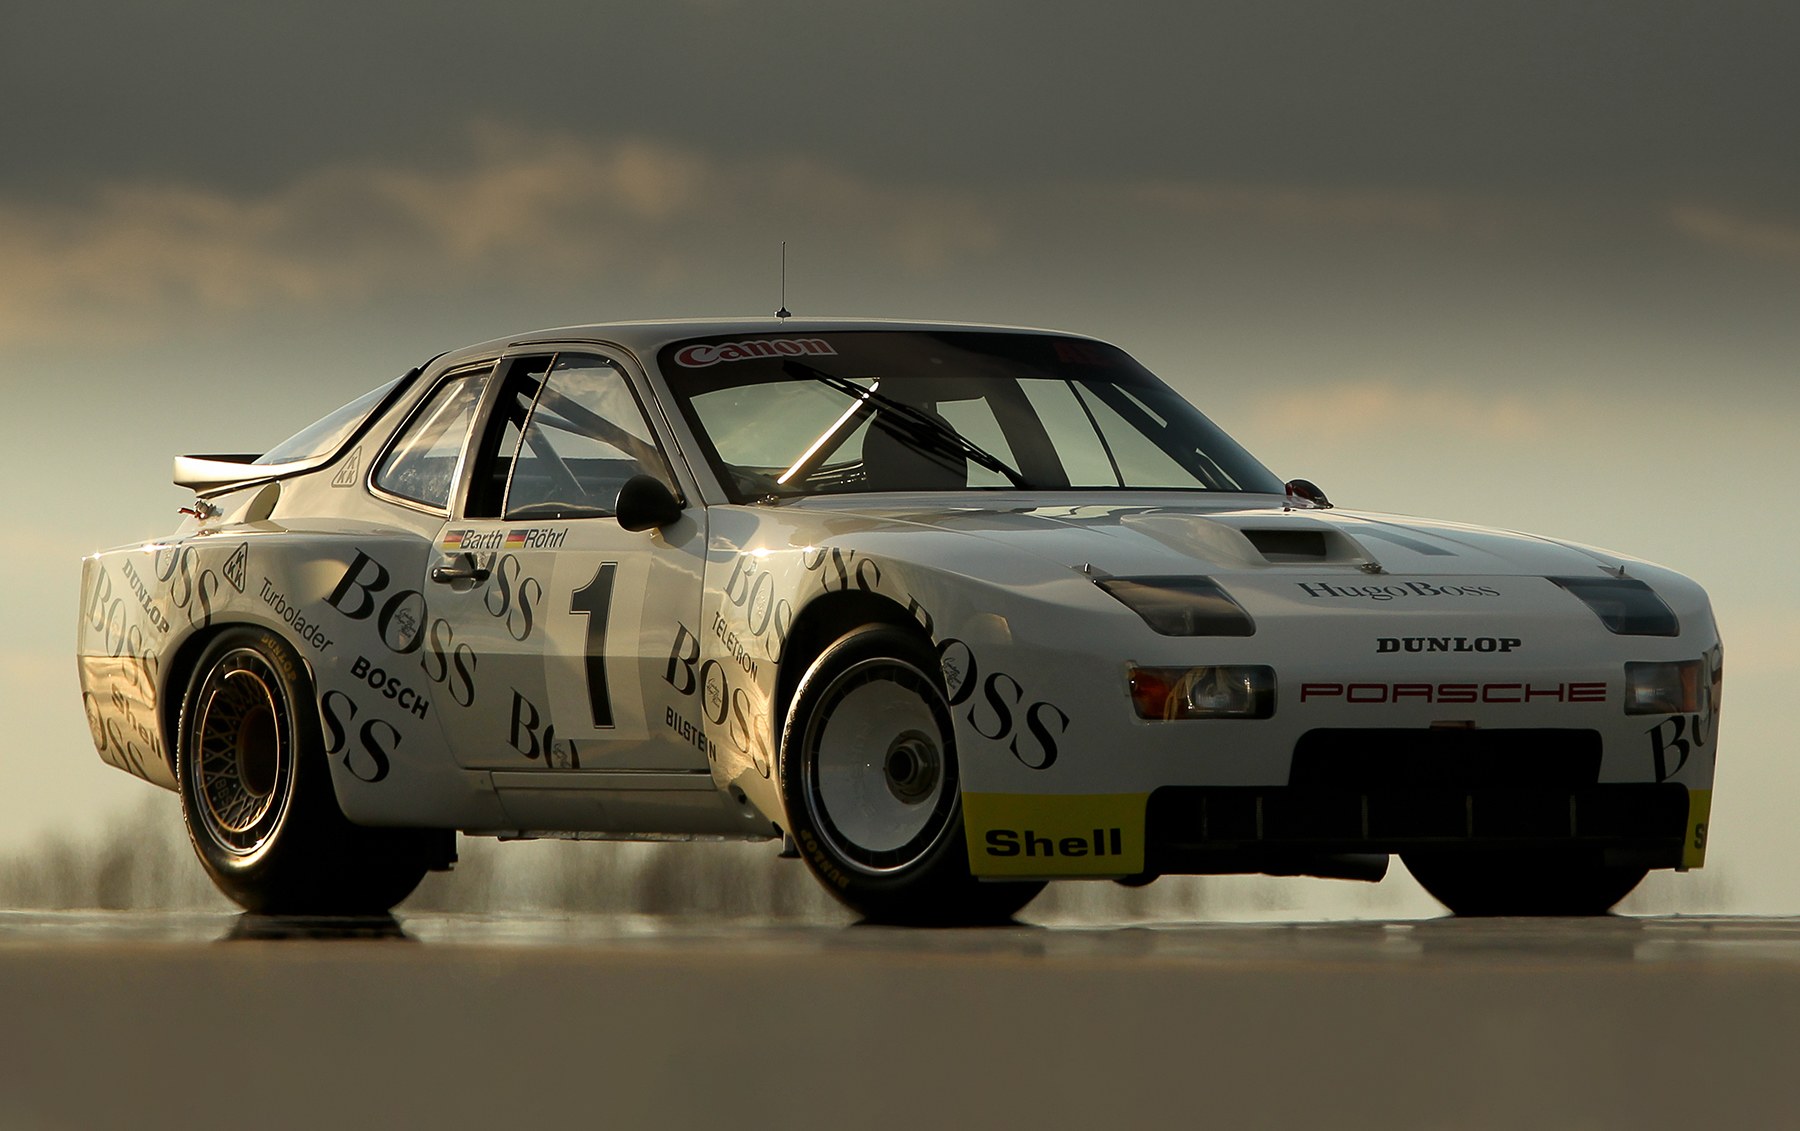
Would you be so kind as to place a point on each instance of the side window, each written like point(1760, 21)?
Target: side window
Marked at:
point(585, 437)
point(493, 466)
point(421, 466)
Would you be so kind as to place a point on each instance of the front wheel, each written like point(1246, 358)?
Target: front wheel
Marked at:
point(873, 786)
point(257, 796)
point(1488, 884)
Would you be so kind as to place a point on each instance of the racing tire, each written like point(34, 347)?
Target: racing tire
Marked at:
point(1483, 884)
point(257, 798)
point(870, 775)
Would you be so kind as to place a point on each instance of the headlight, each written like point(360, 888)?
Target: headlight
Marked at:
point(1625, 605)
point(1663, 689)
point(1239, 692)
point(1181, 606)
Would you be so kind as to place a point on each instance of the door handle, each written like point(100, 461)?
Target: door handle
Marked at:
point(459, 570)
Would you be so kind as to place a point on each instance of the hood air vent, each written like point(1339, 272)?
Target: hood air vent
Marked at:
point(1290, 545)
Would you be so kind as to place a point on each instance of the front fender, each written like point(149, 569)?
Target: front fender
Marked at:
point(1006, 634)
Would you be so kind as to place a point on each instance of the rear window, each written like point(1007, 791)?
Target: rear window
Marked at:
point(326, 435)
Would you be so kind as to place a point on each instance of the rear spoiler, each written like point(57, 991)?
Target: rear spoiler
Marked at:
point(208, 475)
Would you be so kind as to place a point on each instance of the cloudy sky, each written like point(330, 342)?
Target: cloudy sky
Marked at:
point(1530, 265)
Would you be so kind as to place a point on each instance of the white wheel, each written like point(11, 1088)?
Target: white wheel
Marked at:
point(881, 777)
point(869, 768)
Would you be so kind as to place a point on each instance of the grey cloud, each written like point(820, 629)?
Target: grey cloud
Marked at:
point(1615, 97)
point(1755, 236)
point(539, 211)
point(650, 226)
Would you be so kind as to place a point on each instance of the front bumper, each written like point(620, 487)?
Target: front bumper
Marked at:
point(1352, 797)
point(1294, 830)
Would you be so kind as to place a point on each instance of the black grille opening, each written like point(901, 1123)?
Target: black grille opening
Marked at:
point(1447, 758)
point(1188, 826)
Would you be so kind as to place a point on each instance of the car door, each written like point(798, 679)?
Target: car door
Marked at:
point(566, 616)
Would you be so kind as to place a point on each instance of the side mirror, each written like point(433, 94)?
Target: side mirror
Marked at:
point(645, 503)
point(1308, 492)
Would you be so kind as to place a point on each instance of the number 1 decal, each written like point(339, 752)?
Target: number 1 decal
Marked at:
point(594, 601)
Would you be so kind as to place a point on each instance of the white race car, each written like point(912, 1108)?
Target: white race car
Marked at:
point(950, 611)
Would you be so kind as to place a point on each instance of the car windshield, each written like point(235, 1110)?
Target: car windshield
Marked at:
point(784, 415)
point(327, 434)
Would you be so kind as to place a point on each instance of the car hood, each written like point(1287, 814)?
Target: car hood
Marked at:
point(1157, 537)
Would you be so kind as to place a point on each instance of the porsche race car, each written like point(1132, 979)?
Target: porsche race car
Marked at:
point(948, 611)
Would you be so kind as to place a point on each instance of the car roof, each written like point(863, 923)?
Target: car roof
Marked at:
point(645, 338)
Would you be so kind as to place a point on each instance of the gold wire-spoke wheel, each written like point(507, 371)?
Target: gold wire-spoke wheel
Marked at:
point(243, 765)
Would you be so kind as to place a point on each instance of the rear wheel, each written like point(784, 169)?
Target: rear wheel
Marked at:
point(873, 786)
point(1485, 884)
point(257, 796)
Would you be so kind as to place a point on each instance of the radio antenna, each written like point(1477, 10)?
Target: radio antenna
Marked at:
point(783, 312)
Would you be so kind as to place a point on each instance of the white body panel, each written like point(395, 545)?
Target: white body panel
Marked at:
point(603, 681)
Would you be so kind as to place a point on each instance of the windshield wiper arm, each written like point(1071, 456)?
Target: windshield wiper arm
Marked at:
point(925, 428)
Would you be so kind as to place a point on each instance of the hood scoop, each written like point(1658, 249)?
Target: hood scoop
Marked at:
point(1308, 545)
point(1290, 546)
point(1246, 542)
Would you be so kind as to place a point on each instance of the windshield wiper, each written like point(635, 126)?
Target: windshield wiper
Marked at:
point(922, 428)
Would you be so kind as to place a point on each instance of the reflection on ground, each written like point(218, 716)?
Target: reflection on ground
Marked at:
point(448, 1021)
point(1613, 939)
point(272, 928)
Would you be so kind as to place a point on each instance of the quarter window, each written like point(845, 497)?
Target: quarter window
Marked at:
point(421, 466)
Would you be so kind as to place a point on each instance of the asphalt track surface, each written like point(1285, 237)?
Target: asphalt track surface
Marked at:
point(452, 1021)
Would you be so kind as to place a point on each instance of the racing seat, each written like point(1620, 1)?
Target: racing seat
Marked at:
point(901, 455)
